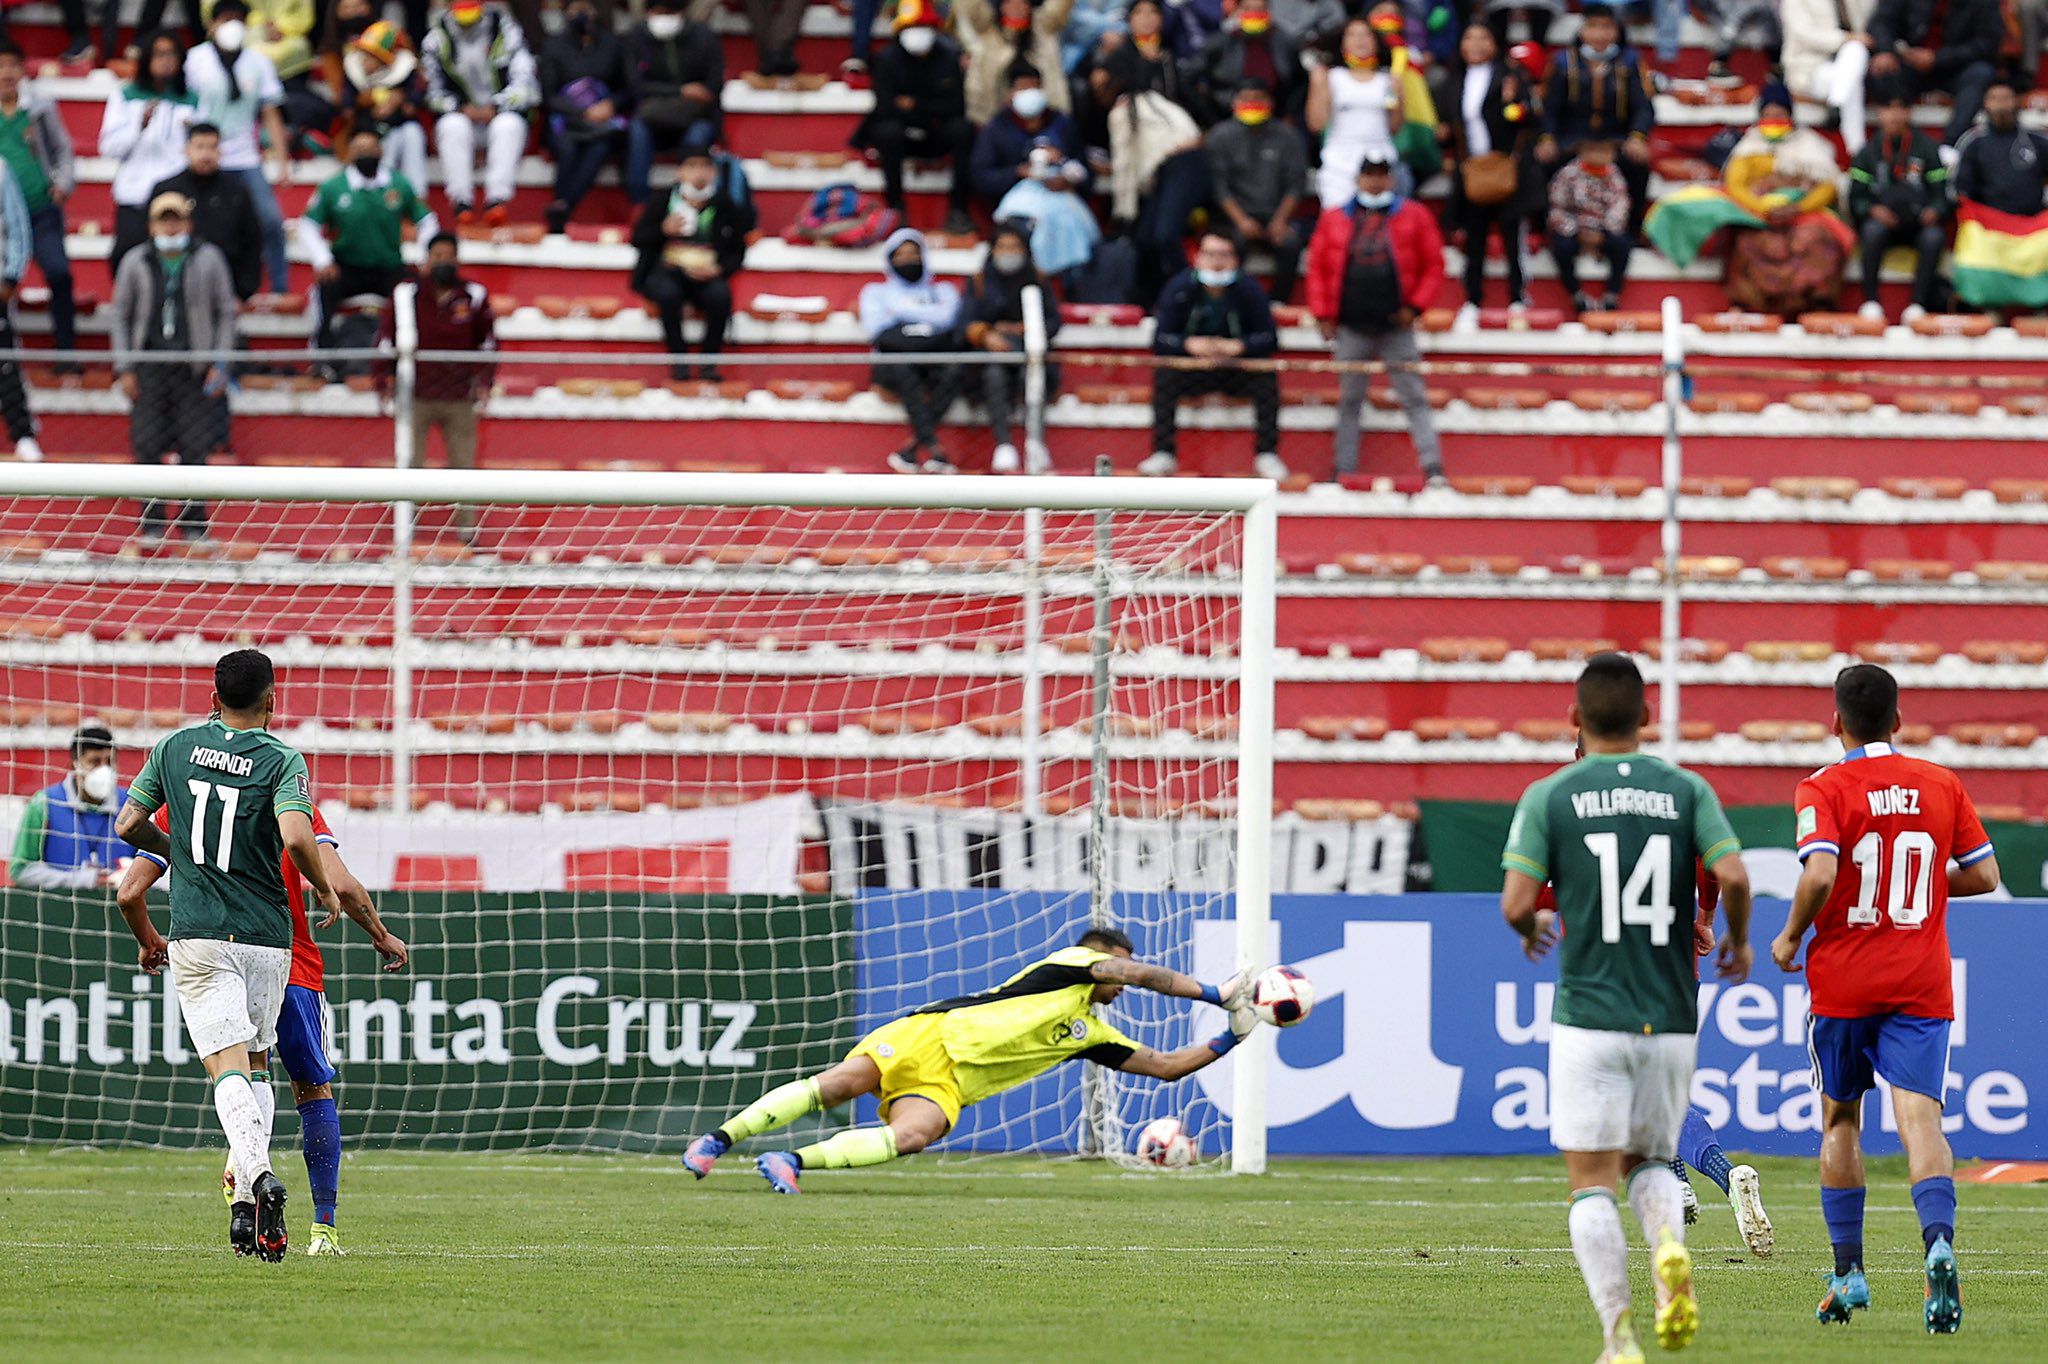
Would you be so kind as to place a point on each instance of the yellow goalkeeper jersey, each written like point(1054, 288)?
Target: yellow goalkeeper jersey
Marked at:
point(1024, 1027)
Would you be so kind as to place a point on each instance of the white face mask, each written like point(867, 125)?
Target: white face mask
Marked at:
point(172, 243)
point(918, 41)
point(696, 194)
point(98, 783)
point(230, 36)
point(1028, 103)
point(664, 26)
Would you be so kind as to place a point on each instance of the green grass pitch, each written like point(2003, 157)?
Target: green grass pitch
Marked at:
point(121, 1254)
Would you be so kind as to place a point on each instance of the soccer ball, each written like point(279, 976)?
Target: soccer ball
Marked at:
point(1166, 1144)
point(1283, 996)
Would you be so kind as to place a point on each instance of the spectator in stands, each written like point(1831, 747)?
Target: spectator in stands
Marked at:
point(1356, 107)
point(775, 25)
point(481, 85)
point(1064, 233)
point(1090, 22)
point(1002, 149)
point(998, 34)
point(66, 840)
point(37, 149)
point(691, 242)
point(1788, 253)
point(1415, 140)
point(1537, 15)
point(905, 314)
point(1971, 32)
point(1141, 59)
point(2001, 170)
point(282, 31)
point(15, 240)
point(1159, 175)
point(149, 19)
point(173, 294)
point(378, 79)
point(143, 129)
point(1309, 23)
point(1898, 196)
point(1257, 173)
point(1826, 55)
point(676, 69)
point(996, 307)
point(1373, 267)
point(1488, 130)
point(353, 231)
point(854, 70)
point(1589, 213)
point(452, 313)
point(1249, 47)
point(1600, 89)
point(1735, 23)
point(237, 88)
point(1213, 312)
point(221, 211)
point(920, 109)
point(583, 73)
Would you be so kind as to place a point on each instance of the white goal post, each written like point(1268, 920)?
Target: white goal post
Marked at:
point(1034, 663)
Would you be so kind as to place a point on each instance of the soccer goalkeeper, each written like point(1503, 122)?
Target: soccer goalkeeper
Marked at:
point(929, 1065)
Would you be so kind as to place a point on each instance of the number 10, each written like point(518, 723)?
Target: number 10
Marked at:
point(1912, 870)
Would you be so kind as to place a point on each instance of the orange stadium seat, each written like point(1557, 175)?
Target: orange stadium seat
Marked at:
point(1506, 399)
point(1806, 568)
point(1920, 651)
point(1432, 729)
point(1832, 401)
point(1735, 320)
point(1546, 730)
point(1336, 728)
point(2020, 490)
point(1911, 570)
point(1747, 402)
point(1789, 650)
point(1604, 485)
point(1939, 402)
point(1611, 399)
point(1490, 565)
point(1386, 400)
point(1994, 735)
point(1716, 485)
point(1925, 488)
point(1914, 736)
point(1345, 811)
point(1783, 731)
point(1624, 321)
point(1464, 649)
point(2012, 571)
point(1835, 489)
point(2031, 653)
point(1493, 485)
point(1570, 650)
point(1954, 324)
point(1841, 324)
point(1690, 650)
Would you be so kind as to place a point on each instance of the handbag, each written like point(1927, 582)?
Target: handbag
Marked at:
point(1489, 178)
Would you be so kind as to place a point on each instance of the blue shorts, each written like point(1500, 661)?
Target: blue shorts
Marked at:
point(301, 1044)
point(1910, 1052)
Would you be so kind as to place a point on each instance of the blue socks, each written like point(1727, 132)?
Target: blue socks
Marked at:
point(1702, 1149)
point(1935, 1200)
point(1843, 1211)
point(320, 1134)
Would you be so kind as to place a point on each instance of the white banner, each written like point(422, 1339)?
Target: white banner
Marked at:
point(922, 847)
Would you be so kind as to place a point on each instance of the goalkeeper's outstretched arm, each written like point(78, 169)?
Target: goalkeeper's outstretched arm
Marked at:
point(1117, 970)
point(1178, 1065)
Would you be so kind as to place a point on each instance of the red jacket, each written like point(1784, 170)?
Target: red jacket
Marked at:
point(1418, 246)
point(460, 320)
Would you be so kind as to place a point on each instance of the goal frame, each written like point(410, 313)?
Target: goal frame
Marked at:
point(403, 489)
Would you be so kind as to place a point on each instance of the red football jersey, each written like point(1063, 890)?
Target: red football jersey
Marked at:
point(307, 968)
point(1880, 943)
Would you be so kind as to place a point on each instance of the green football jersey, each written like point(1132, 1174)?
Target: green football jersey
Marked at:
point(226, 788)
point(1616, 835)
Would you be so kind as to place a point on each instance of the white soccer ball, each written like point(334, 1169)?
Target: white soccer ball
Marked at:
point(1283, 996)
point(1166, 1144)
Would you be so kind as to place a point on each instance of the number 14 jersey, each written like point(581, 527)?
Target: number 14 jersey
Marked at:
point(1880, 942)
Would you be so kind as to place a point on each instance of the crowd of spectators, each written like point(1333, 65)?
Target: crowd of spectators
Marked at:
point(1205, 159)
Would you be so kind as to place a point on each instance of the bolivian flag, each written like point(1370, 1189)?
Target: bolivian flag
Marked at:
point(2001, 259)
point(1681, 222)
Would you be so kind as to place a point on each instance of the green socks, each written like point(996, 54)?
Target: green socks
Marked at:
point(850, 1150)
point(779, 1107)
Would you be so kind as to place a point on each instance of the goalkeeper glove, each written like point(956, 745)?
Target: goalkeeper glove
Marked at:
point(1231, 993)
point(1242, 1020)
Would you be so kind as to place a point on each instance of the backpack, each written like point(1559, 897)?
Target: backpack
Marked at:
point(732, 180)
point(839, 216)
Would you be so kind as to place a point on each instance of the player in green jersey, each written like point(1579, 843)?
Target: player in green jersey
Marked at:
point(239, 801)
point(1617, 834)
point(928, 1065)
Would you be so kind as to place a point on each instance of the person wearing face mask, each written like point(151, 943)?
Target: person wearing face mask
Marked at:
point(1600, 89)
point(1212, 311)
point(1372, 268)
point(173, 294)
point(998, 34)
point(676, 69)
point(920, 109)
point(66, 840)
point(1250, 46)
point(690, 242)
point(1257, 169)
point(2000, 175)
point(1002, 149)
point(143, 129)
point(1589, 216)
point(482, 83)
point(996, 307)
point(583, 74)
point(452, 313)
point(237, 90)
point(353, 231)
point(379, 84)
point(907, 314)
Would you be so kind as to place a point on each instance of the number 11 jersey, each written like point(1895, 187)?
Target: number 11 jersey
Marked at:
point(225, 788)
point(1880, 942)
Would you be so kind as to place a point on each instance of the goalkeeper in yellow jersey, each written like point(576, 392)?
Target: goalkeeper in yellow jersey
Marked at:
point(928, 1065)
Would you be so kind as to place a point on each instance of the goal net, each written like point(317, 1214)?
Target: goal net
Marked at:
point(675, 784)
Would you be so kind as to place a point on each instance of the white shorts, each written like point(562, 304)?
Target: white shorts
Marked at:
point(229, 992)
point(1619, 1091)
